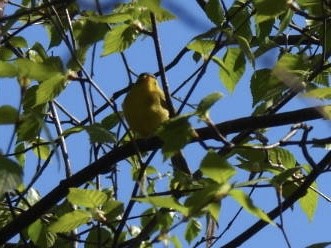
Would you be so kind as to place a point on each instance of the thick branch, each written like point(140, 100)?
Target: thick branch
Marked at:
point(108, 161)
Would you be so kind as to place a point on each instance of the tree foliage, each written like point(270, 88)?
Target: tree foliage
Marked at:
point(115, 191)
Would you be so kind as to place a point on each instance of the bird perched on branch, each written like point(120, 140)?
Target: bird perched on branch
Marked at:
point(145, 109)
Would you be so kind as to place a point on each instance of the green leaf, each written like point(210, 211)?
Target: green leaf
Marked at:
point(265, 12)
point(39, 71)
point(244, 45)
point(240, 20)
point(285, 21)
point(99, 134)
point(20, 154)
point(18, 41)
point(7, 70)
point(54, 36)
point(99, 235)
point(199, 201)
point(308, 204)
point(193, 228)
point(263, 32)
point(281, 157)
point(70, 221)
point(252, 160)
point(264, 86)
point(160, 13)
point(119, 38)
point(216, 168)
point(326, 112)
point(175, 134)
point(163, 202)
point(112, 209)
point(206, 103)
point(110, 121)
point(40, 236)
point(86, 197)
point(319, 93)
point(284, 176)
point(234, 61)
point(291, 70)
point(5, 54)
point(41, 151)
point(11, 175)
point(203, 47)
point(214, 209)
point(8, 115)
point(176, 242)
point(111, 18)
point(88, 33)
point(214, 12)
point(49, 89)
point(246, 202)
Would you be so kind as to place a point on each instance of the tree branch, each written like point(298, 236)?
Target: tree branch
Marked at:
point(108, 162)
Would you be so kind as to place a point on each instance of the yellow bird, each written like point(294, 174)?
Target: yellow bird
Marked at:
point(144, 106)
point(145, 109)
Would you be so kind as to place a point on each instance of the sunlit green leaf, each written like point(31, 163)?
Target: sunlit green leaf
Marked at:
point(39, 234)
point(234, 61)
point(20, 154)
point(7, 70)
point(176, 242)
point(309, 202)
point(216, 168)
point(203, 47)
point(284, 176)
point(319, 93)
point(41, 150)
point(154, 6)
point(199, 201)
point(70, 221)
point(49, 89)
point(164, 202)
point(175, 133)
point(281, 157)
point(112, 209)
point(119, 38)
point(207, 102)
point(247, 203)
point(111, 18)
point(39, 71)
point(86, 197)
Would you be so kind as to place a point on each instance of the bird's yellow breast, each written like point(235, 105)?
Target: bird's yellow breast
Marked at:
point(144, 106)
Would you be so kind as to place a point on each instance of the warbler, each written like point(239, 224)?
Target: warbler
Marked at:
point(145, 108)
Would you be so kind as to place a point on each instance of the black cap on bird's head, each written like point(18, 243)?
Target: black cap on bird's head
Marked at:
point(146, 77)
